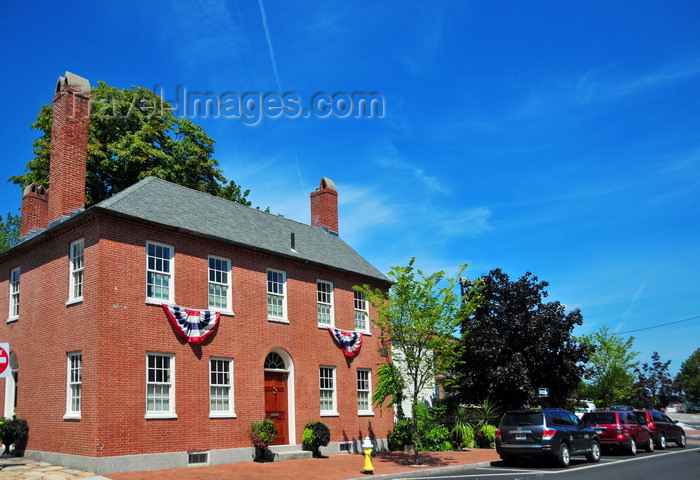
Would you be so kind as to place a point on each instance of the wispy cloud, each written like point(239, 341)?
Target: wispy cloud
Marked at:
point(599, 85)
point(269, 45)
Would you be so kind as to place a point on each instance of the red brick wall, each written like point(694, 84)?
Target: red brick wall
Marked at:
point(69, 137)
point(324, 208)
point(34, 209)
point(115, 328)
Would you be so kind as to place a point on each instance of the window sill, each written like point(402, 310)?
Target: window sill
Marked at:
point(365, 414)
point(223, 312)
point(158, 301)
point(74, 301)
point(222, 415)
point(161, 416)
point(12, 319)
point(71, 416)
point(325, 327)
point(330, 414)
point(278, 320)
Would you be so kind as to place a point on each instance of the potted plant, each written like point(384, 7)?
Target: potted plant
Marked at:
point(13, 431)
point(262, 433)
point(316, 435)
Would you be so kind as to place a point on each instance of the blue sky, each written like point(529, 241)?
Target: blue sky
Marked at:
point(561, 138)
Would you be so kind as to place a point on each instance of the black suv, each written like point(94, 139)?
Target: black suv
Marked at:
point(545, 433)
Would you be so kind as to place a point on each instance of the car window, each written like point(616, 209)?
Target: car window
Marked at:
point(657, 416)
point(522, 418)
point(599, 418)
point(573, 419)
point(666, 418)
point(634, 419)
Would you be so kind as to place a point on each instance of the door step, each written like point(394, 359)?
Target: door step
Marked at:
point(280, 453)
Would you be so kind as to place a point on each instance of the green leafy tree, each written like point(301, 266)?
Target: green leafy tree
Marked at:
point(513, 343)
point(655, 388)
point(688, 378)
point(390, 388)
point(419, 315)
point(9, 232)
point(133, 134)
point(609, 372)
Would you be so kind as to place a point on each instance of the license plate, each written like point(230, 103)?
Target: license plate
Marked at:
point(520, 436)
point(600, 431)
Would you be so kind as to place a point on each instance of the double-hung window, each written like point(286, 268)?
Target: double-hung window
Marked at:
point(361, 312)
point(324, 294)
point(75, 385)
point(159, 284)
point(327, 391)
point(14, 294)
point(276, 295)
point(364, 391)
point(76, 271)
point(220, 283)
point(160, 389)
point(221, 387)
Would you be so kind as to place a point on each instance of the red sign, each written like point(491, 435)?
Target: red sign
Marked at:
point(4, 359)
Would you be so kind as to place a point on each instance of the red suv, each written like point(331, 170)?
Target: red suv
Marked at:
point(620, 429)
point(662, 428)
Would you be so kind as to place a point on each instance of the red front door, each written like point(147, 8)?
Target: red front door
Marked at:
point(276, 404)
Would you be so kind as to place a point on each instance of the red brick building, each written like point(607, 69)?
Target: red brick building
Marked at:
point(107, 381)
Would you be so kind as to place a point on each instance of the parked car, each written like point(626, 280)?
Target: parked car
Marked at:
point(663, 429)
point(620, 408)
point(584, 406)
point(621, 430)
point(545, 433)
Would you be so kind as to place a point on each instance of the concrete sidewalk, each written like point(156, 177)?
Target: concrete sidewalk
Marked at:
point(335, 467)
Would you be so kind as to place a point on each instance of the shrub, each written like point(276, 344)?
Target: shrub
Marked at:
point(13, 431)
point(316, 435)
point(262, 433)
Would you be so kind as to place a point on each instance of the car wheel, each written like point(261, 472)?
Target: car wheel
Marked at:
point(649, 447)
point(662, 441)
point(510, 461)
point(564, 455)
point(594, 456)
point(632, 447)
point(681, 441)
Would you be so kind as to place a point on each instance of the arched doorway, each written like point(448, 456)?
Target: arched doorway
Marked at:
point(11, 387)
point(279, 398)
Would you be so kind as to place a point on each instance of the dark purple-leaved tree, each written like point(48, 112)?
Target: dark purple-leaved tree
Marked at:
point(514, 344)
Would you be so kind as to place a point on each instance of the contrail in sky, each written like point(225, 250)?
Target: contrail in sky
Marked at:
point(269, 45)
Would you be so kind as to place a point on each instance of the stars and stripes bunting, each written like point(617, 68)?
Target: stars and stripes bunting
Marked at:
point(350, 342)
point(192, 325)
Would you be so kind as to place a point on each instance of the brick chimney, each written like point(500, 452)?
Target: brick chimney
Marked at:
point(35, 209)
point(324, 206)
point(69, 140)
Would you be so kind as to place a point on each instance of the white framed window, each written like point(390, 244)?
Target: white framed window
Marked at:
point(276, 295)
point(364, 391)
point(324, 298)
point(361, 312)
point(221, 387)
point(77, 250)
point(327, 391)
point(14, 294)
point(220, 283)
point(160, 387)
point(159, 281)
point(74, 388)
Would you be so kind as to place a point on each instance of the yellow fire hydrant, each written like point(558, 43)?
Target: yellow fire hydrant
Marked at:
point(368, 447)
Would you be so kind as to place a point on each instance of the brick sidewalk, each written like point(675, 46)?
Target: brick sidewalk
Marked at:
point(334, 467)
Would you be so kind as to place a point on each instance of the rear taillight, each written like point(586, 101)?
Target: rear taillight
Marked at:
point(547, 434)
point(651, 426)
point(498, 433)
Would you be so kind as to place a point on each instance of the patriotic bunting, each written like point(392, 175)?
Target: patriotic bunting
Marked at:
point(192, 325)
point(349, 341)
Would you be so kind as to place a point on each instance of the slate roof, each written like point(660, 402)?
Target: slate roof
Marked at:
point(170, 205)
